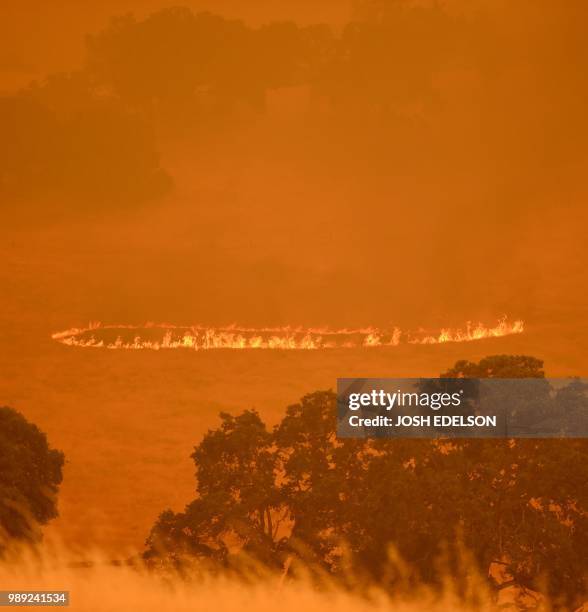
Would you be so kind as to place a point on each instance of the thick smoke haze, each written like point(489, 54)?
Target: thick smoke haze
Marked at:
point(344, 202)
point(388, 163)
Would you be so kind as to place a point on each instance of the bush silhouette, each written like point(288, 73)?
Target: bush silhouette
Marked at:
point(30, 475)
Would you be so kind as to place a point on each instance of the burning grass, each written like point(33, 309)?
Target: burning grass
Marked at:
point(156, 336)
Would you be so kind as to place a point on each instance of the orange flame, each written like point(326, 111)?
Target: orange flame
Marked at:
point(473, 332)
point(156, 336)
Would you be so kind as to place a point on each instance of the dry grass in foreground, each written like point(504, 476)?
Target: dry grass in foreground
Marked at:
point(101, 586)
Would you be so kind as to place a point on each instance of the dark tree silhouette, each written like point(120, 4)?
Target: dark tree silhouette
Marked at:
point(66, 144)
point(498, 366)
point(520, 507)
point(387, 57)
point(30, 475)
point(175, 61)
point(237, 501)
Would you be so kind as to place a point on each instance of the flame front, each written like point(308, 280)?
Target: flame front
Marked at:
point(473, 332)
point(156, 336)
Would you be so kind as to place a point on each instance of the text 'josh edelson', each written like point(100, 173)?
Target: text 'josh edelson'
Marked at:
point(459, 408)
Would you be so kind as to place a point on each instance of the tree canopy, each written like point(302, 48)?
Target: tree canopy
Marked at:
point(518, 506)
point(30, 475)
point(64, 143)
